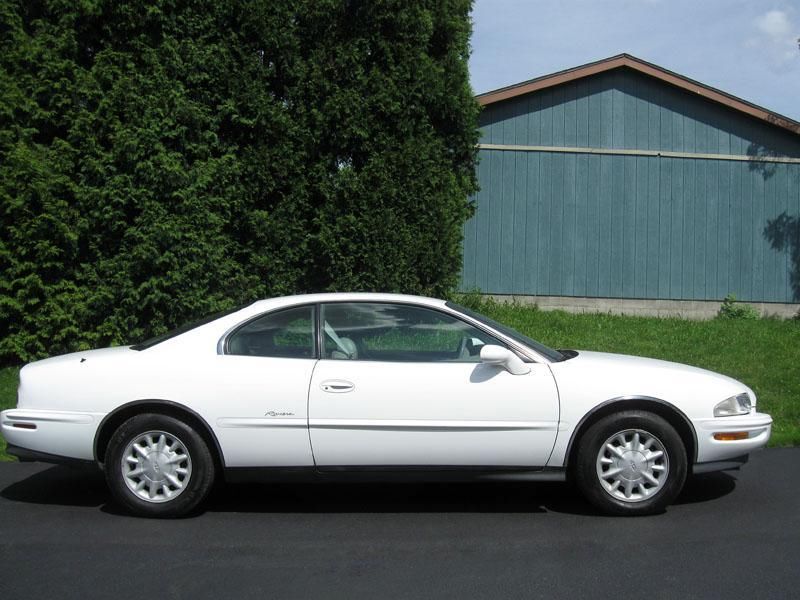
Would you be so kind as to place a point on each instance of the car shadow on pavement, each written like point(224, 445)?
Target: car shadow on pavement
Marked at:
point(60, 485)
point(71, 486)
point(707, 487)
point(383, 497)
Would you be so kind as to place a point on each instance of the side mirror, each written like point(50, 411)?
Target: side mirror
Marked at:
point(497, 355)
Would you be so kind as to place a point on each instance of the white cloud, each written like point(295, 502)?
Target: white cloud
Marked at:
point(775, 24)
point(777, 36)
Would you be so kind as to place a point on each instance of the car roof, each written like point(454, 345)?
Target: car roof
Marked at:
point(343, 297)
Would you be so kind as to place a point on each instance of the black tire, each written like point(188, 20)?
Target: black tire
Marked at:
point(191, 453)
point(650, 498)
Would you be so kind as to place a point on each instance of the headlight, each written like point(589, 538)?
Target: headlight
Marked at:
point(735, 405)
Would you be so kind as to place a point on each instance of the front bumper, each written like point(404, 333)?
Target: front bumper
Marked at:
point(758, 427)
point(732, 464)
point(64, 434)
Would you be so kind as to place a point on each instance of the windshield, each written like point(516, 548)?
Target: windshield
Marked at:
point(549, 353)
point(149, 343)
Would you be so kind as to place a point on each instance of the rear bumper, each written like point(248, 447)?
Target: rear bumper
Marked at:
point(757, 426)
point(27, 455)
point(65, 434)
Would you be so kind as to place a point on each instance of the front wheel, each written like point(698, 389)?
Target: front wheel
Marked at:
point(631, 463)
point(157, 466)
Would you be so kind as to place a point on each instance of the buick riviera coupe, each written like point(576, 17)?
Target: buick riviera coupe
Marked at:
point(377, 386)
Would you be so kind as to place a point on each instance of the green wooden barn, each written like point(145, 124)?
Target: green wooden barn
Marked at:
point(619, 184)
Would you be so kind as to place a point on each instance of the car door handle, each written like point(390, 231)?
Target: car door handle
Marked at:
point(337, 386)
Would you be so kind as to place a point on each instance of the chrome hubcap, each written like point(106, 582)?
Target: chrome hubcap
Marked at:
point(632, 465)
point(156, 466)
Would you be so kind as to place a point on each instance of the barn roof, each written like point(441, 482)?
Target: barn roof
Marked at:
point(637, 64)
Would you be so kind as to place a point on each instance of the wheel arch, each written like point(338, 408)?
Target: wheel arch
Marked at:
point(669, 412)
point(118, 416)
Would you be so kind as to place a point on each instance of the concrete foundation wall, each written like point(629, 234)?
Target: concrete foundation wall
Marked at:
point(686, 309)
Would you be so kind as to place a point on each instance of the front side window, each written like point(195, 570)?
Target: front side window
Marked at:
point(399, 333)
point(553, 355)
point(282, 334)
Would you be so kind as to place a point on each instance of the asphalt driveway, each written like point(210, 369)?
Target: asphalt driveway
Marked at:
point(729, 536)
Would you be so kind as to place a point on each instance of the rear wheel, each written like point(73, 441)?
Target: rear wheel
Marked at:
point(631, 463)
point(157, 466)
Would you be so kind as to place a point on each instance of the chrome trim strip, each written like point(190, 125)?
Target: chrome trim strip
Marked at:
point(432, 425)
point(260, 422)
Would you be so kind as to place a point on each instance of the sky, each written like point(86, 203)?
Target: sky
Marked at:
point(747, 48)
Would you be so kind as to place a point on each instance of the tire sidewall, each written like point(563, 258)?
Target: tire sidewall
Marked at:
point(589, 447)
point(200, 481)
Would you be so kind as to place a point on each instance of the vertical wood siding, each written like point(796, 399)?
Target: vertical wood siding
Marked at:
point(571, 224)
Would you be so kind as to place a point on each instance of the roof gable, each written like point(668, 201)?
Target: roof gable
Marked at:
point(626, 60)
point(625, 109)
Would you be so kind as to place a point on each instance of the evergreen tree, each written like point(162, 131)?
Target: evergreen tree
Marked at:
point(161, 160)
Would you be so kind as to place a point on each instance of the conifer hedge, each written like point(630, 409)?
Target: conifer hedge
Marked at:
point(162, 160)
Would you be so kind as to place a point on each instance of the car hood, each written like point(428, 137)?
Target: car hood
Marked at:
point(597, 377)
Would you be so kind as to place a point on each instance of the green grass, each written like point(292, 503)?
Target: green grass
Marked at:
point(9, 379)
point(764, 353)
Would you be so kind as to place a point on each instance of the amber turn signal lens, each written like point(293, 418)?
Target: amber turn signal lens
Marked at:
point(731, 435)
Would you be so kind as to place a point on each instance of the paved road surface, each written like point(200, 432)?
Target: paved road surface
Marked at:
point(729, 536)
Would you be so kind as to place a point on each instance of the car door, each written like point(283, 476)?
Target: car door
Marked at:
point(402, 385)
point(259, 395)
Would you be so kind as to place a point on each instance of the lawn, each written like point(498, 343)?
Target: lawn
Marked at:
point(764, 353)
point(9, 379)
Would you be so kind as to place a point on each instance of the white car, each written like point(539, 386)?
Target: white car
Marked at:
point(377, 386)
